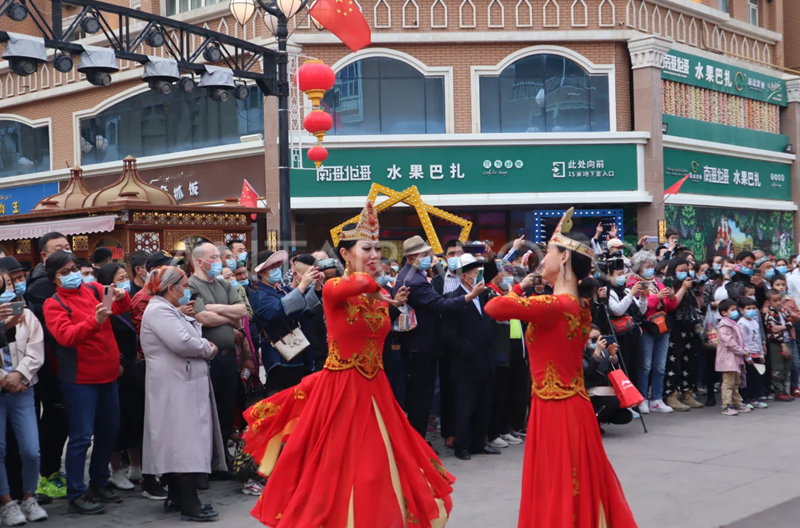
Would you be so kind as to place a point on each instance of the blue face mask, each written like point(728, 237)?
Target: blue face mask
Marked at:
point(681, 275)
point(125, 285)
point(424, 264)
point(275, 276)
point(592, 346)
point(734, 315)
point(702, 277)
point(87, 279)
point(649, 273)
point(620, 281)
point(7, 296)
point(72, 281)
point(508, 281)
point(395, 267)
point(783, 270)
point(717, 267)
point(597, 274)
point(216, 270)
point(242, 257)
point(187, 296)
point(232, 264)
point(242, 282)
point(691, 274)
point(751, 314)
point(733, 272)
point(452, 263)
point(20, 287)
point(769, 274)
point(383, 280)
point(234, 282)
point(746, 271)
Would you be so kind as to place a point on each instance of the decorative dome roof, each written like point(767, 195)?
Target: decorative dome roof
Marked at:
point(129, 189)
point(72, 197)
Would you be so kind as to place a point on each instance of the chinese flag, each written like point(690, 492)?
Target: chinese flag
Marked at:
point(249, 197)
point(343, 18)
point(674, 188)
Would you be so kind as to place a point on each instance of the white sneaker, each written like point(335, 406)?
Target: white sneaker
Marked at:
point(33, 512)
point(644, 407)
point(658, 406)
point(498, 442)
point(253, 487)
point(11, 515)
point(120, 481)
point(511, 439)
point(134, 474)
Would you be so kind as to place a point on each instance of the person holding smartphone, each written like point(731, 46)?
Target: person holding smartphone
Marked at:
point(598, 358)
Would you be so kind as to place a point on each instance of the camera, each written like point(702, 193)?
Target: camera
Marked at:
point(712, 274)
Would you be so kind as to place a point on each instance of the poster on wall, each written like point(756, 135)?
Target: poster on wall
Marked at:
point(709, 231)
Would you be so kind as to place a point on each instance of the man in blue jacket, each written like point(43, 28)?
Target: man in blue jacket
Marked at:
point(423, 345)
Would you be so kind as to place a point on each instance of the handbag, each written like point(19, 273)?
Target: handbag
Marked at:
point(623, 325)
point(627, 394)
point(290, 345)
point(657, 324)
point(407, 320)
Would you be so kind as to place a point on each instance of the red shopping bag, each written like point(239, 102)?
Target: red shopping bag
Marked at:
point(627, 394)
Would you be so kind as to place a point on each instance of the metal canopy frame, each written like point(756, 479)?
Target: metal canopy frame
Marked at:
point(239, 55)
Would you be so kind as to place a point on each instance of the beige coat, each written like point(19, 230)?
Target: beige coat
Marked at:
point(181, 430)
point(27, 351)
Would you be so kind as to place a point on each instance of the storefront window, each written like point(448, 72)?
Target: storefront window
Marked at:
point(380, 95)
point(23, 149)
point(544, 93)
point(150, 124)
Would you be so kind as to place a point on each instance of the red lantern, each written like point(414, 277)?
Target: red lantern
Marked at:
point(315, 78)
point(318, 122)
point(317, 154)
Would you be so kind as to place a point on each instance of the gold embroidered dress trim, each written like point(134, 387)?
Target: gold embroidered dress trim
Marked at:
point(368, 361)
point(552, 388)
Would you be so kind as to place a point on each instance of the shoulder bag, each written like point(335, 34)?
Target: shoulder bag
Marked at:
point(290, 345)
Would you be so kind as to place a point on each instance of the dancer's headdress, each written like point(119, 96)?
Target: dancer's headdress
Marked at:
point(367, 228)
point(565, 226)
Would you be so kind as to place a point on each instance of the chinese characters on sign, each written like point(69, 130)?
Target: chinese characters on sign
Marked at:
point(344, 173)
point(676, 64)
point(567, 169)
point(177, 190)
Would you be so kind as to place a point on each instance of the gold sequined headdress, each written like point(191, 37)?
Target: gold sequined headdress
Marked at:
point(565, 226)
point(367, 228)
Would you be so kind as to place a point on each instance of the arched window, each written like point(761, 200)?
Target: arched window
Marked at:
point(544, 93)
point(381, 95)
point(149, 124)
point(23, 149)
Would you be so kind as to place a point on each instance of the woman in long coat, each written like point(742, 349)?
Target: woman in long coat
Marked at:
point(182, 436)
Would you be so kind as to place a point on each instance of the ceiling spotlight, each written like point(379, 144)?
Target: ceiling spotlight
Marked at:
point(17, 12)
point(218, 82)
point(24, 53)
point(219, 94)
point(212, 53)
point(160, 73)
point(90, 25)
point(241, 91)
point(63, 63)
point(155, 38)
point(162, 87)
point(187, 84)
point(98, 78)
point(97, 64)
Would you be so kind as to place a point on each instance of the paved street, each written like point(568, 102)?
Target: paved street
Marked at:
point(695, 470)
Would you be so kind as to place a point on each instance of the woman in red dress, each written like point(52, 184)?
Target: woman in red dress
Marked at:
point(567, 480)
point(352, 460)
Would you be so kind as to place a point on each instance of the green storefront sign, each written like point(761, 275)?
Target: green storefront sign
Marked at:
point(473, 169)
point(713, 75)
point(718, 175)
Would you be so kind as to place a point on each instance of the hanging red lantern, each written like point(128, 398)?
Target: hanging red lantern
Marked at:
point(318, 122)
point(317, 154)
point(315, 78)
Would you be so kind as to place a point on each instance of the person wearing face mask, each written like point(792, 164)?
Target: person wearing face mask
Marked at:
point(598, 358)
point(627, 304)
point(313, 320)
point(744, 273)
point(277, 310)
point(87, 272)
point(239, 250)
point(138, 271)
point(220, 310)
point(182, 438)
point(88, 368)
point(423, 345)
point(229, 276)
point(731, 357)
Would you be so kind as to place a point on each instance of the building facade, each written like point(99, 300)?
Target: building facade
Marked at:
point(503, 112)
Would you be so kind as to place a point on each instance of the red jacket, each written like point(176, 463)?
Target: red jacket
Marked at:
point(88, 352)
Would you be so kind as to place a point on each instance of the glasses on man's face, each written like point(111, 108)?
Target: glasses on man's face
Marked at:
point(66, 271)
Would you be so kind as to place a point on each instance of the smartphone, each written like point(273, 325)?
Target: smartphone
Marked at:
point(668, 282)
point(479, 278)
point(538, 281)
point(475, 249)
point(194, 296)
point(757, 273)
point(652, 240)
point(17, 308)
point(108, 296)
point(521, 232)
point(610, 340)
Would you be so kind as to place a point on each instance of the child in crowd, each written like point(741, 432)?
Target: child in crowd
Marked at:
point(790, 305)
point(749, 291)
point(731, 354)
point(778, 325)
point(755, 343)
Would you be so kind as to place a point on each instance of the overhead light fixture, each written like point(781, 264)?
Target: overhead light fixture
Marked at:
point(160, 73)
point(271, 21)
point(241, 91)
point(242, 10)
point(155, 38)
point(788, 148)
point(17, 12)
point(24, 53)
point(212, 53)
point(97, 64)
point(90, 25)
point(218, 81)
point(664, 128)
point(63, 63)
point(187, 84)
point(289, 8)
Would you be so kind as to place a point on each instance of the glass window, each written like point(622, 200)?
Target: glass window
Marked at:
point(380, 95)
point(149, 124)
point(173, 7)
point(544, 93)
point(723, 6)
point(752, 10)
point(23, 149)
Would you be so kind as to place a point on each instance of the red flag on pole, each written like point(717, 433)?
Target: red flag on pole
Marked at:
point(249, 197)
point(343, 18)
point(674, 188)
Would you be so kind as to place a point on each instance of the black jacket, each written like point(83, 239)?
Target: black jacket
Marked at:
point(470, 339)
point(38, 290)
point(439, 271)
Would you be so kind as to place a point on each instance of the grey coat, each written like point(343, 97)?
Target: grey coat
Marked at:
point(181, 429)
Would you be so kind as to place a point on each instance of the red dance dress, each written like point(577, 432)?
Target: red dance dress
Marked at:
point(352, 460)
point(567, 480)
